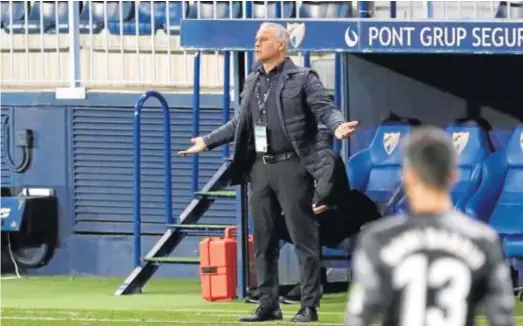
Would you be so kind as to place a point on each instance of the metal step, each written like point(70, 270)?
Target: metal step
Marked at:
point(201, 229)
point(172, 237)
point(335, 258)
point(174, 260)
point(218, 193)
point(200, 226)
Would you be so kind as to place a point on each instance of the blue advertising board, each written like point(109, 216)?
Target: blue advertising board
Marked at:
point(496, 37)
point(11, 213)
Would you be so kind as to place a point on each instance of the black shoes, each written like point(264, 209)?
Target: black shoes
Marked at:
point(306, 315)
point(262, 314)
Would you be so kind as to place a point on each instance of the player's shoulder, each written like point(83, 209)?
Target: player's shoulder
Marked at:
point(472, 228)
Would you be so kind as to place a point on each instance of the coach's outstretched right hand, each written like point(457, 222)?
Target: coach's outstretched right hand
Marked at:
point(198, 147)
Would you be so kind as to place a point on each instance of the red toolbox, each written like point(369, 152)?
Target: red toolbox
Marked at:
point(218, 266)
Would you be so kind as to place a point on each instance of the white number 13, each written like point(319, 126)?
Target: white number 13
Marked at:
point(415, 276)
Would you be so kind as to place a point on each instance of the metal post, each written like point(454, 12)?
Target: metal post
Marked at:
point(74, 91)
point(243, 238)
point(196, 120)
point(226, 95)
point(74, 43)
point(250, 54)
point(337, 92)
point(307, 59)
point(393, 9)
point(241, 196)
point(279, 10)
point(345, 99)
point(363, 9)
point(364, 12)
point(137, 168)
point(430, 9)
point(137, 229)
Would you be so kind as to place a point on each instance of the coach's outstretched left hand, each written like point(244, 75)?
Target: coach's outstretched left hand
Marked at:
point(346, 129)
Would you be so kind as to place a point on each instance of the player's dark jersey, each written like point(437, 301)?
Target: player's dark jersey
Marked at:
point(433, 270)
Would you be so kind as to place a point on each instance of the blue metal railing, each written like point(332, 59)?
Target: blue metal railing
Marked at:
point(196, 120)
point(226, 105)
point(338, 83)
point(137, 168)
point(393, 9)
point(430, 9)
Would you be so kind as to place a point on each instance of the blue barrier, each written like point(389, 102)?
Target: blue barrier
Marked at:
point(196, 110)
point(226, 95)
point(393, 9)
point(430, 9)
point(137, 168)
point(338, 83)
point(363, 36)
point(195, 160)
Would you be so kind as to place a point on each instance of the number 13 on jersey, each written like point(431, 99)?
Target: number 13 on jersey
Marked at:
point(449, 278)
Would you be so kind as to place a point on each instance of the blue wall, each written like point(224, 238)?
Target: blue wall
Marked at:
point(77, 141)
point(83, 150)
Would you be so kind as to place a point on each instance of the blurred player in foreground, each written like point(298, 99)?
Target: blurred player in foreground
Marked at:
point(435, 266)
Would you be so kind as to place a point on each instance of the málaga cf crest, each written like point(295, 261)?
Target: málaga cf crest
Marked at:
point(460, 140)
point(391, 140)
point(296, 33)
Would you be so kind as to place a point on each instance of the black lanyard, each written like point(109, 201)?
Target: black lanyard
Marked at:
point(262, 103)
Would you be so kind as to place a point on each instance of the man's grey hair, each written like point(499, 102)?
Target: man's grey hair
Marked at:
point(430, 153)
point(280, 31)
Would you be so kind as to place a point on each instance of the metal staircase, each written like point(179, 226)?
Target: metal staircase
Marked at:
point(186, 223)
point(160, 252)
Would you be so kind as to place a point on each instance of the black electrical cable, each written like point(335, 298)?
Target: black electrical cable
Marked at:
point(26, 153)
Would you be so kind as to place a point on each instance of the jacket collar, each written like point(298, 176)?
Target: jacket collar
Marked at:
point(283, 67)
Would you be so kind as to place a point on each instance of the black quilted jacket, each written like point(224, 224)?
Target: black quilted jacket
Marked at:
point(303, 104)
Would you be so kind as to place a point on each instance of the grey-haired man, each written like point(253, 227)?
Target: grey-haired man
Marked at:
point(275, 150)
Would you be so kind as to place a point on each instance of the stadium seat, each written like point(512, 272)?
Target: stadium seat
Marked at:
point(91, 17)
point(262, 9)
point(118, 14)
point(171, 18)
point(42, 18)
point(325, 9)
point(473, 145)
point(16, 10)
point(510, 9)
point(499, 198)
point(513, 246)
point(376, 170)
point(148, 17)
point(206, 9)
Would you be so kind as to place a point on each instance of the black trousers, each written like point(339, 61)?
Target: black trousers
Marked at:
point(284, 186)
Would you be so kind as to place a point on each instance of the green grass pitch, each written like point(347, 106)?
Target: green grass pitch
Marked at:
point(61, 301)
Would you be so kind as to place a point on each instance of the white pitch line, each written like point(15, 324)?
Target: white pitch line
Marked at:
point(7, 278)
point(237, 313)
point(217, 312)
point(134, 321)
point(247, 311)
